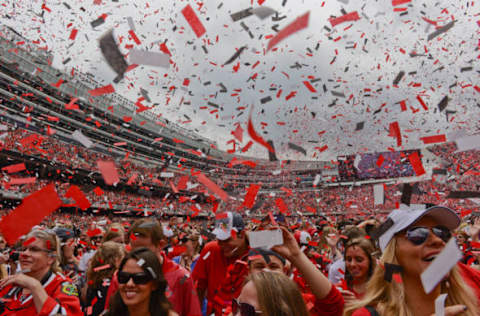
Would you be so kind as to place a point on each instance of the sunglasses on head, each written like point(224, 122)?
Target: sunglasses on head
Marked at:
point(419, 234)
point(138, 278)
point(243, 309)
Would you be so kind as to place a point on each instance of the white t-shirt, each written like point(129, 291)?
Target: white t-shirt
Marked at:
point(83, 264)
point(334, 275)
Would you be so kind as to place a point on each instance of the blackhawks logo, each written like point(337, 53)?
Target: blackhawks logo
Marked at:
point(69, 289)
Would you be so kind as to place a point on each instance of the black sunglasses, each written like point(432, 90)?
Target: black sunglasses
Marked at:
point(245, 309)
point(138, 278)
point(419, 234)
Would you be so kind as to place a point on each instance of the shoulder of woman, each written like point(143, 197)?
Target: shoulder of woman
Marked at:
point(172, 313)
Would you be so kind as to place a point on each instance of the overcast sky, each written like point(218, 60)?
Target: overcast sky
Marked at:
point(383, 41)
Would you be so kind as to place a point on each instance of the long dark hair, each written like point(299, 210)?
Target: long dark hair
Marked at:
point(159, 305)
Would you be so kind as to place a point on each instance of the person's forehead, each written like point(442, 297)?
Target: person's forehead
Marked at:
point(261, 260)
point(132, 266)
point(248, 294)
point(37, 243)
point(355, 250)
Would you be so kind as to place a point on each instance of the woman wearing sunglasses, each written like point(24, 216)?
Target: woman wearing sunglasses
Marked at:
point(411, 240)
point(39, 288)
point(269, 294)
point(141, 287)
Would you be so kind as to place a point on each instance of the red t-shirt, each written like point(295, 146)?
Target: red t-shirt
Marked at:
point(362, 312)
point(180, 291)
point(331, 305)
point(211, 269)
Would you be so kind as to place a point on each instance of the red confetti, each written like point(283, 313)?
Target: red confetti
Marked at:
point(309, 87)
point(257, 138)
point(247, 147)
point(416, 164)
point(109, 172)
point(29, 241)
point(400, 2)
point(380, 161)
point(94, 232)
point(73, 34)
point(28, 214)
point(134, 37)
point(299, 24)
point(98, 191)
point(422, 103)
point(100, 268)
point(77, 195)
point(15, 168)
point(434, 139)
point(238, 133)
point(102, 90)
point(352, 16)
point(251, 195)
point(18, 181)
point(212, 186)
point(281, 205)
point(395, 132)
point(193, 20)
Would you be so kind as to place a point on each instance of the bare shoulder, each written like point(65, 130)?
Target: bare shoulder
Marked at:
point(172, 313)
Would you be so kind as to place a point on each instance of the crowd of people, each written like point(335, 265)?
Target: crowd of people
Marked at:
point(112, 265)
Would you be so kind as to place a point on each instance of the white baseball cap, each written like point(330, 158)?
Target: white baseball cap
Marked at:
point(224, 225)
point(405, 216)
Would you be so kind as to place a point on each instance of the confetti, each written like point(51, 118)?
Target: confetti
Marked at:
point(212, 186)
point(193, 20)
point(441, 30)
point(297, 148)
point(141, 57)
point(79, 197)
point(109, 172)
point(102, 90)
point(350, 17)
point(299, 24)
point(241, 14)
point(112, 54)
point(441, 265)
point(250, 196)
point(82, 139)
point(263, 12)
point(28, 214)
point(235, 56)
point(416, 164)
point(100, 268)
point(434, 139)
point(257, 138)
point(15, 168)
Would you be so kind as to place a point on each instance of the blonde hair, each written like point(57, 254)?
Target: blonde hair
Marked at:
point(389, 297)
point(108, 253)
point(277, 294)
point(54, 246)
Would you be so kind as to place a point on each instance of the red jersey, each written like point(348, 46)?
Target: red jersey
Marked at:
point(330, 305)
point(180, 290)
point(211, 269)
point(62, 299)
